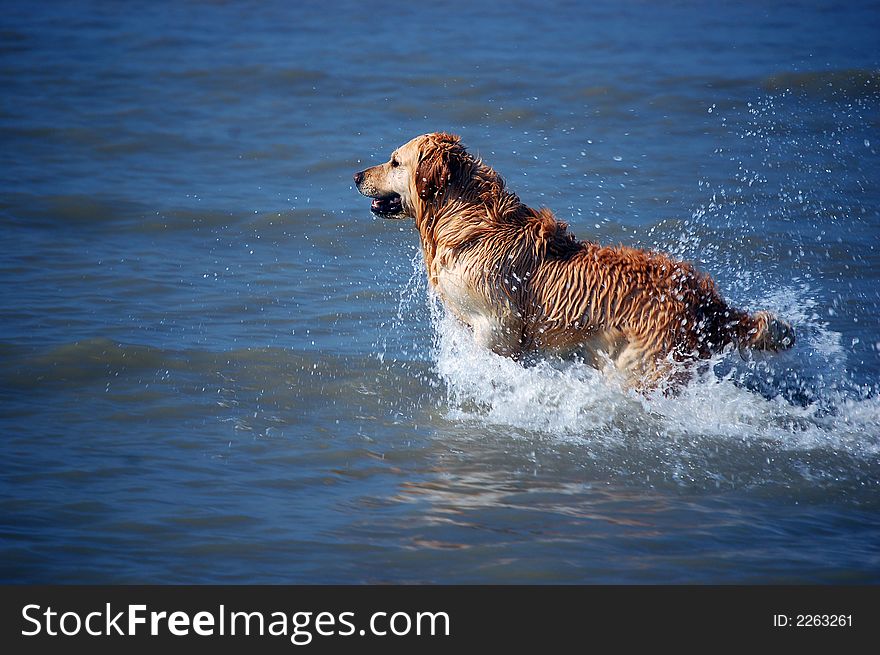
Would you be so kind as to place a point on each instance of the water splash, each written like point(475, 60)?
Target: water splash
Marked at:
point(575, 402)
point(400, 334)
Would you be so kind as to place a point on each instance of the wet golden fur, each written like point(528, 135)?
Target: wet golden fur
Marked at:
point(524, 284)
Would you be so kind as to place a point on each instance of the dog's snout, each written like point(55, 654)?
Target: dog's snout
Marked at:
point(359, 177)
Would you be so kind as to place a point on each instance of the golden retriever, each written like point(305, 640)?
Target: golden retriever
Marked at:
point(524, 284)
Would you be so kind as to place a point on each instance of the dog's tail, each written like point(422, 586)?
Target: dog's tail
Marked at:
point(762, 331)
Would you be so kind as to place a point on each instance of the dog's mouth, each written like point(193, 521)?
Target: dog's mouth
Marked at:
point(387, 206)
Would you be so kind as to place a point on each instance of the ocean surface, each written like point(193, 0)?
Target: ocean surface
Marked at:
point(217, 366)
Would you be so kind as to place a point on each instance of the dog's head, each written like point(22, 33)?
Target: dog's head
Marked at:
point(420, 173)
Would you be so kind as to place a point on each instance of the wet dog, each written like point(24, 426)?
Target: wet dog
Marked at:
point(525, 284)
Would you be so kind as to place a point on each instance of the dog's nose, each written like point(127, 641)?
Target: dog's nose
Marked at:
point(359, 177)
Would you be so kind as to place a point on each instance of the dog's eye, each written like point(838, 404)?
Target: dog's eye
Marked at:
point(394, 163)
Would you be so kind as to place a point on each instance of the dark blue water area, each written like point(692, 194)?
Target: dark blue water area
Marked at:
point(217, 366)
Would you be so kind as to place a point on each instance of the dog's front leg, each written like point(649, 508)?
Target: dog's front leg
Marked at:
point(501, 338)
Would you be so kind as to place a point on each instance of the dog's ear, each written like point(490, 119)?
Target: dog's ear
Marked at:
point(441, 165)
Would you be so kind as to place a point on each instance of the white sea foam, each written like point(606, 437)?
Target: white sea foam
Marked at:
point(729, 399)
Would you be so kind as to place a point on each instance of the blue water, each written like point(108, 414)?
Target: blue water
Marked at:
point(217, 366)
